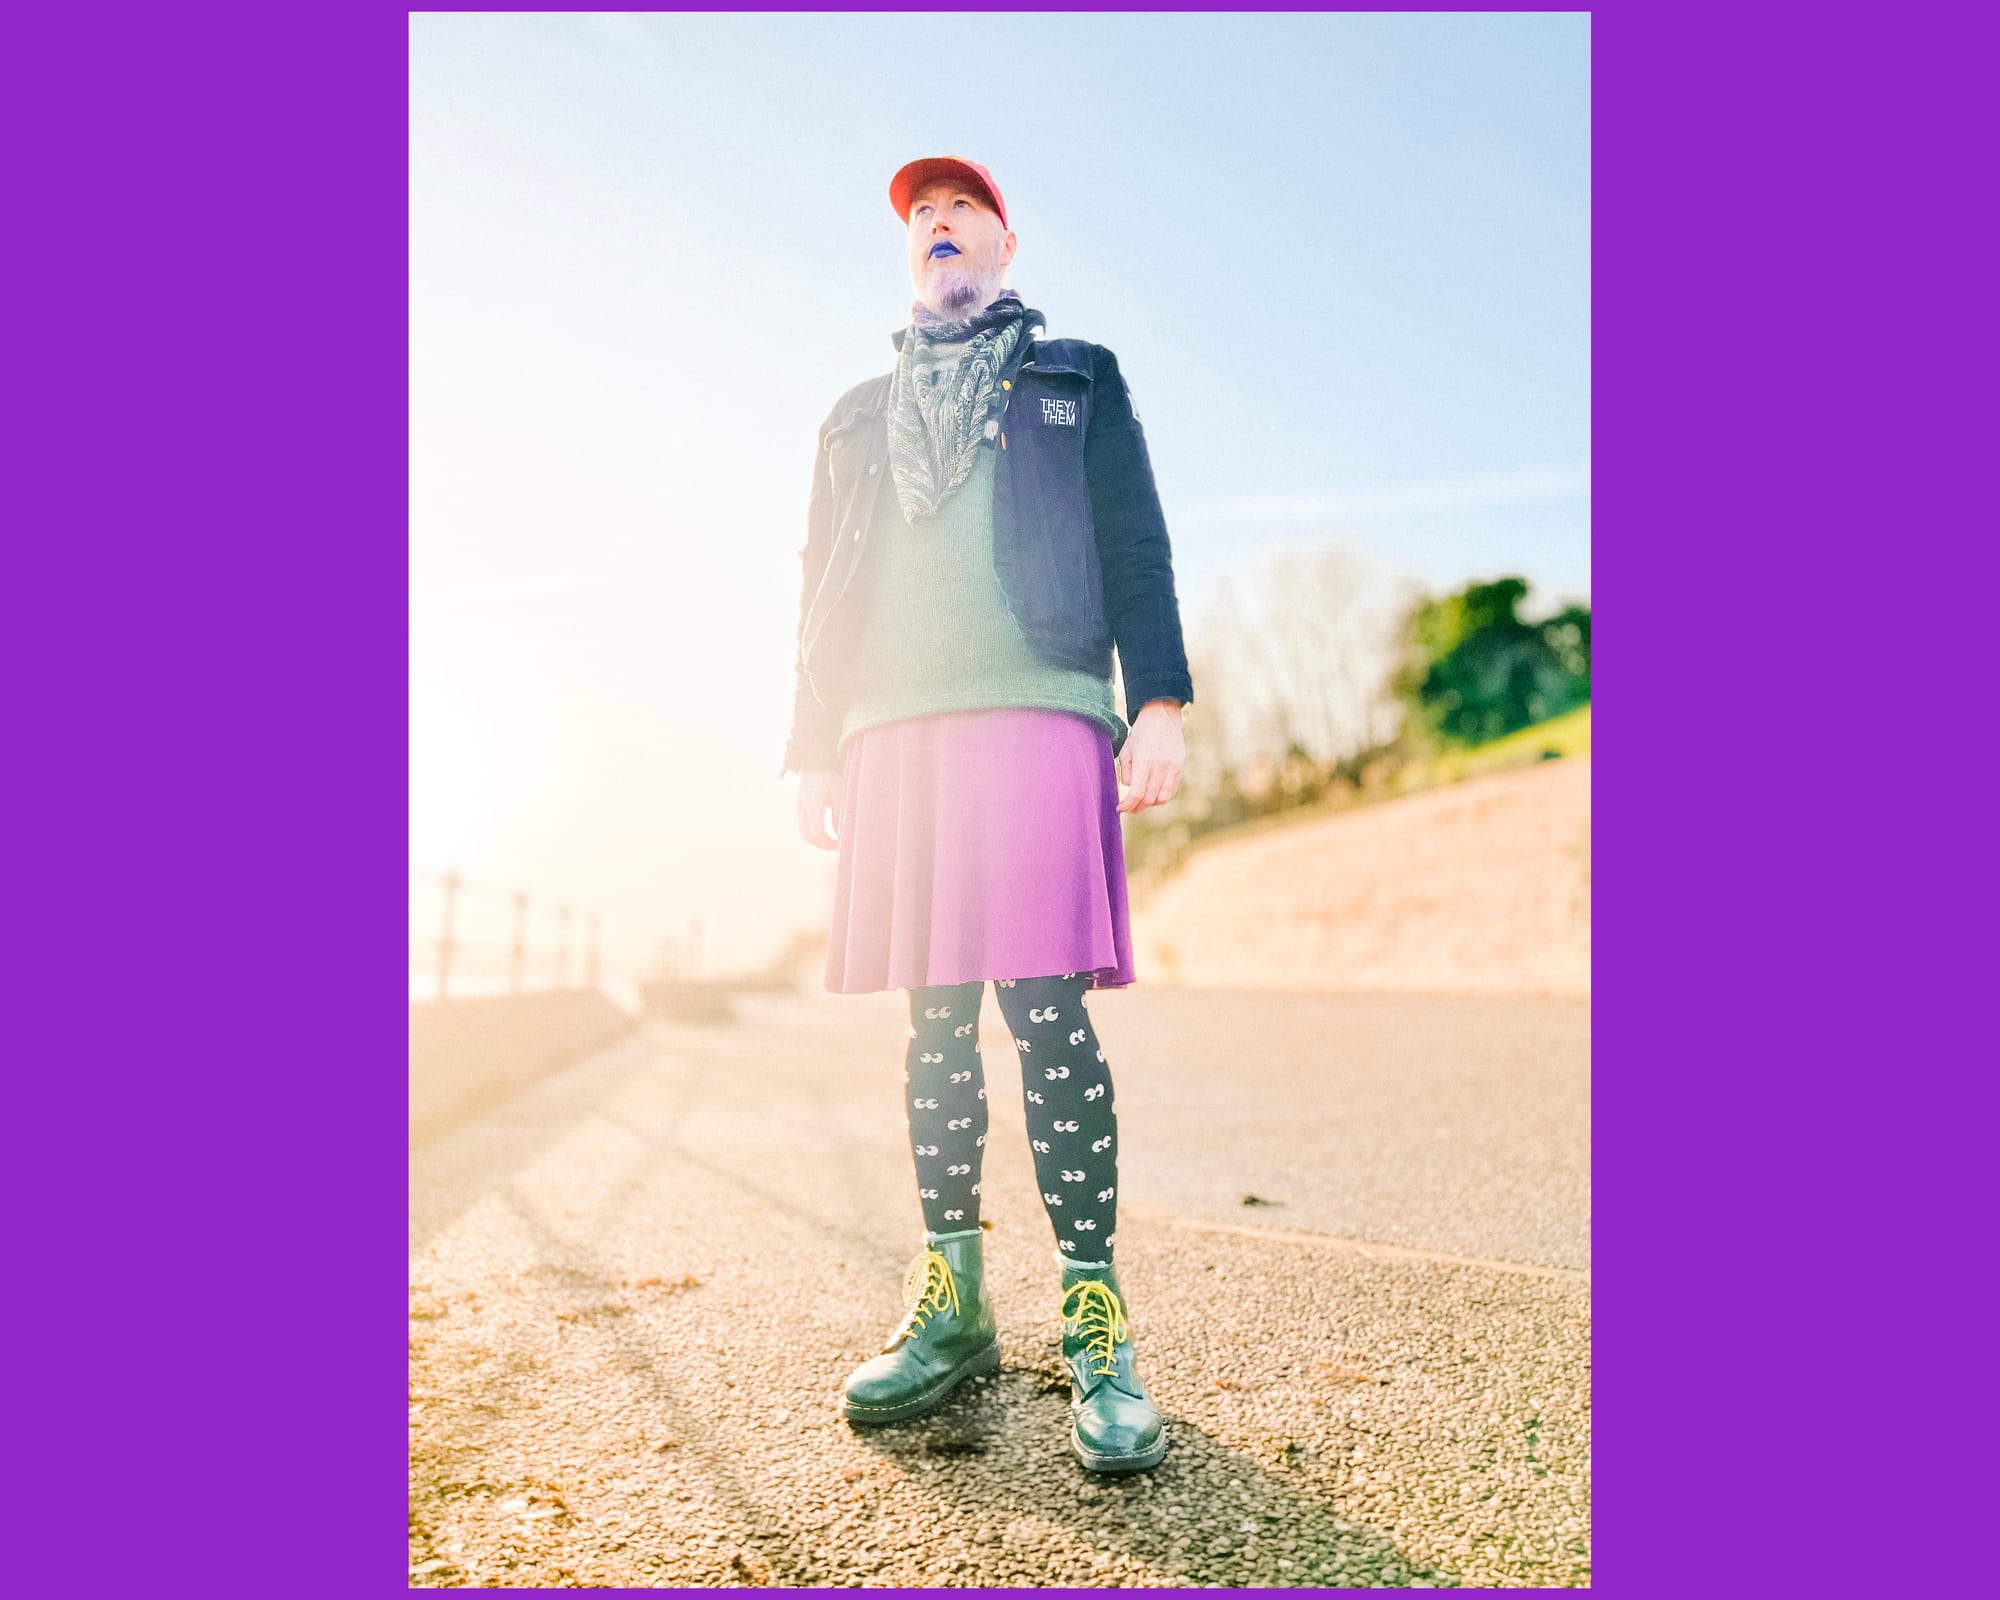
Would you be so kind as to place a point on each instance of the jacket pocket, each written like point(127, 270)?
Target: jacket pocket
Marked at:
point(846, 444)
point(852, 451)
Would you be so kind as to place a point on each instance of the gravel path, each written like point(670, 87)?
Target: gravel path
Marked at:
point(636, 1287)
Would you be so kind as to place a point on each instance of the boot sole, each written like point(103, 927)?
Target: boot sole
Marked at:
point(987, 1360)
point(1149, 1457)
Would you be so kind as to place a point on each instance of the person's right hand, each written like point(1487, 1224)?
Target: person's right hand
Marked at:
point(819, 793)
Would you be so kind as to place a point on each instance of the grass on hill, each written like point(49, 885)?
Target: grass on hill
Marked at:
point(1566, 735)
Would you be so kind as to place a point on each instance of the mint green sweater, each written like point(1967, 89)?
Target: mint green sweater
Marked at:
point(935, 633)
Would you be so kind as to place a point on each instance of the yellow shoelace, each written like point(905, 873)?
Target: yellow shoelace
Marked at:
point(1098, 1317)
point(928, 1287)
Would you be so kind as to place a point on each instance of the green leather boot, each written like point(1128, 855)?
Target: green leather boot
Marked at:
point(947, 1335)
point(1113, 1425)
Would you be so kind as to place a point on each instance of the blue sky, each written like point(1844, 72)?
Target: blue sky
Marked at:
point(1338, 256)
point(1343, 260)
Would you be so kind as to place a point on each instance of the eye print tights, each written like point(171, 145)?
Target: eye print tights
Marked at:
point(1072, 1121)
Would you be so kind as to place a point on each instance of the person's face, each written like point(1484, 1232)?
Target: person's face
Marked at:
point(958, 249)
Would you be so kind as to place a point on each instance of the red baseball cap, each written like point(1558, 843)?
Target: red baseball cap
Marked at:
point(909, 179)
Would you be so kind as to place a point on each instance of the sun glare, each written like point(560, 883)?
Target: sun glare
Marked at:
point(451, 790)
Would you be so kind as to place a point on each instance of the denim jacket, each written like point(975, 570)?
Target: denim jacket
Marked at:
point(1079, 541)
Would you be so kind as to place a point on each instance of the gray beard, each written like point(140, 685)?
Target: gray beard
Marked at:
point(960, 294)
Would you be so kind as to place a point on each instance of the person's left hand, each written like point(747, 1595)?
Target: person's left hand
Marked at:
point(1154, 757)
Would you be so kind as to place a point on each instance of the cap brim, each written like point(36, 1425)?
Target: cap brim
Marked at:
point(910, 178)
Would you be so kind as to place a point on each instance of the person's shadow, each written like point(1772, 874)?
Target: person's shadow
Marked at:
point(1206, 1515)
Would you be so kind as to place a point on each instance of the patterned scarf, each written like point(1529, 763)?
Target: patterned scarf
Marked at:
point(937, 421)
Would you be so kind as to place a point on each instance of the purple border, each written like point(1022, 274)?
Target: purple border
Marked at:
point(210, 376)
point(206, 590)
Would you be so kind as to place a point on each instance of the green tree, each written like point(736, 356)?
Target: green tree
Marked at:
point(1474, 670)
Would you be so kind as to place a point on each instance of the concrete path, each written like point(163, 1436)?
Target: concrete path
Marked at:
point(636, 1287)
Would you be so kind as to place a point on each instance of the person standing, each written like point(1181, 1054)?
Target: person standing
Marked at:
point(953, 715)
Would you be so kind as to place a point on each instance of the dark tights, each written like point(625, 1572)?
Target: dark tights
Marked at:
point(1072, 1121)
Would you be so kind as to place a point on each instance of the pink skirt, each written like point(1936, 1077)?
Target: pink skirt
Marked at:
point(979, 844)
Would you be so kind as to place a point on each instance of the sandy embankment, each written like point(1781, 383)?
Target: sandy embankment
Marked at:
point(1481, 887)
